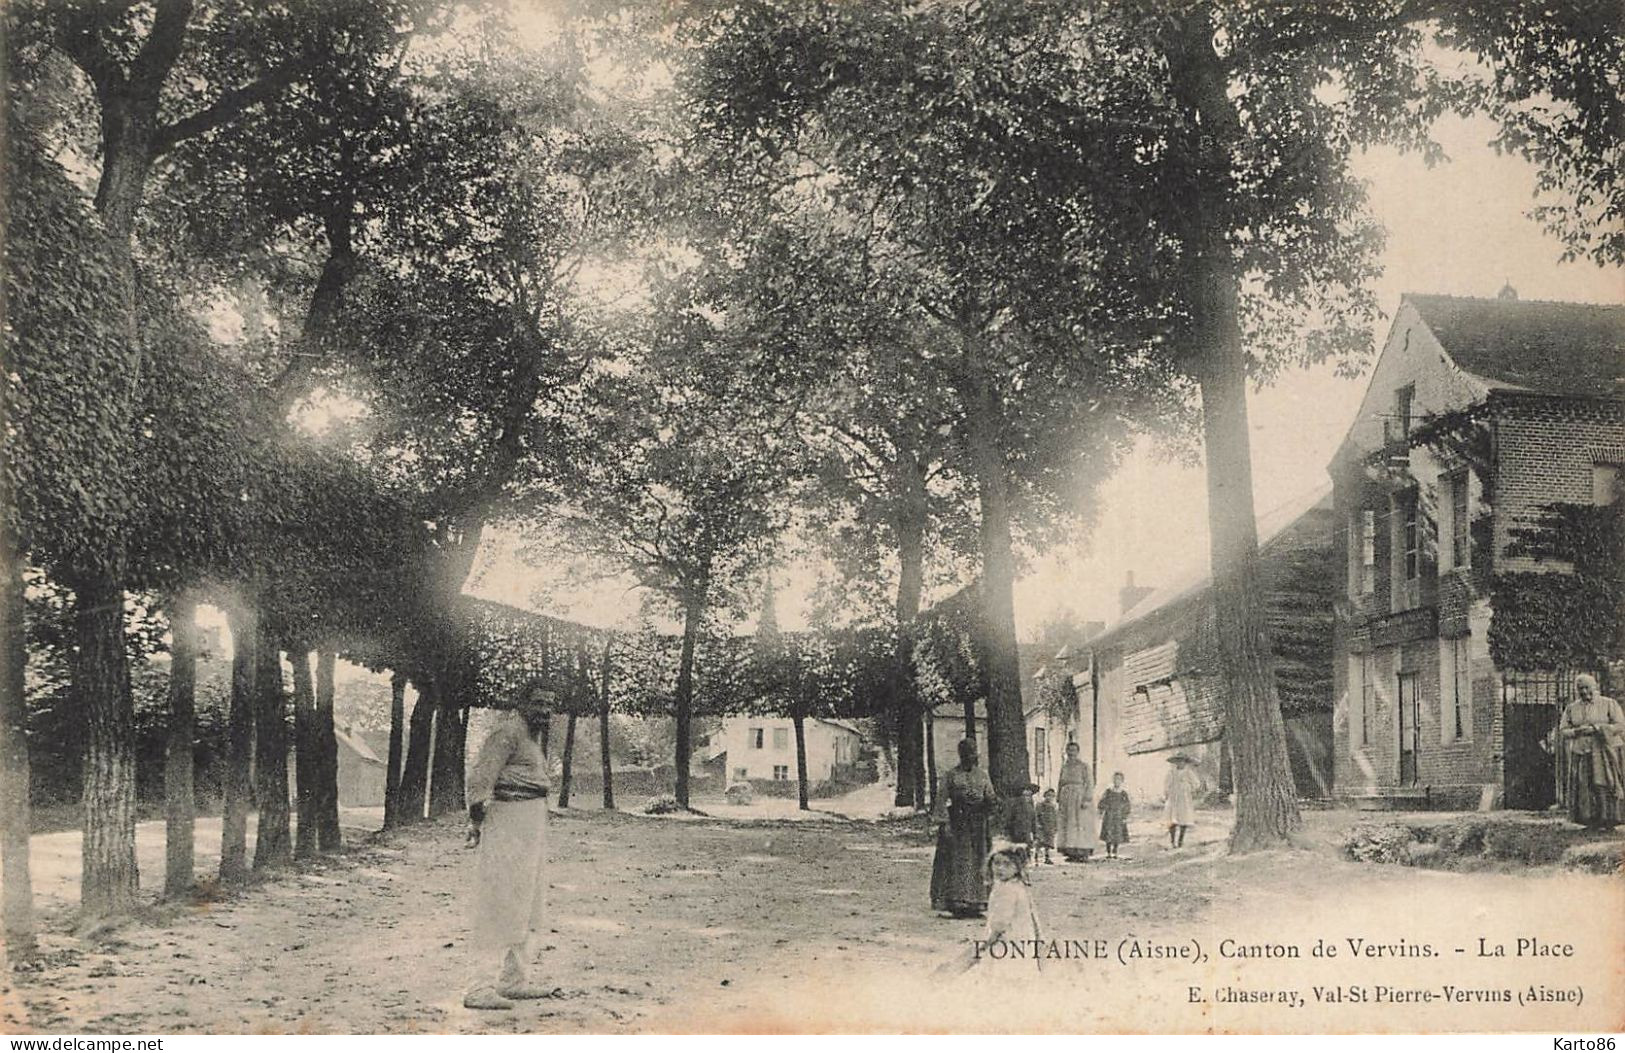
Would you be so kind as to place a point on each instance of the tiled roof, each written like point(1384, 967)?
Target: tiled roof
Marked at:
point(1533, 345)
point(1271, 525)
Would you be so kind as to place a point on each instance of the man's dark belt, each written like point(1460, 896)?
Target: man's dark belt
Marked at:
point(511, 791)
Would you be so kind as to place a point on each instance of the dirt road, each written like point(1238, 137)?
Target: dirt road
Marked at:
point(725, 925)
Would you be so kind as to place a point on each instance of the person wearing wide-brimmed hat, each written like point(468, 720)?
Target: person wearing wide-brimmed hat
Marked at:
point(507, 803)
point(1179, 793)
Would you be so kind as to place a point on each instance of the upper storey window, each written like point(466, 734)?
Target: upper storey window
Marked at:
point(1404, 403)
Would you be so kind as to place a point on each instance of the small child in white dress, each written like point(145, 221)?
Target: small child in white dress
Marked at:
point(1013, 932)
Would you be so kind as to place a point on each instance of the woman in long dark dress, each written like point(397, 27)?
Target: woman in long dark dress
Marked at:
point(959, 883)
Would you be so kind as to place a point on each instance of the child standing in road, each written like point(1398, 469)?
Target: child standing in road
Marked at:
point(1180, 794)
point(1021, 823)
point(1049, 817)
point(1114, 811)
point(1011, 918)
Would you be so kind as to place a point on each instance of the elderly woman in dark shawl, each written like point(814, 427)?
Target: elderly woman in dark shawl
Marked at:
point(959, 883)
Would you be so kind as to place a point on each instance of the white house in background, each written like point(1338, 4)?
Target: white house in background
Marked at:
point(765, 748)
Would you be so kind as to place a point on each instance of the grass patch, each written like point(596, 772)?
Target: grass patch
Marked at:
point(1482, 842)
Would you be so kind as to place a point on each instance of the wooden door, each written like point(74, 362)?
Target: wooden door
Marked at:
point(1409, 722)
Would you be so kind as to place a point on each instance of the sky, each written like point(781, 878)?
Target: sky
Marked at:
point(1458, 228)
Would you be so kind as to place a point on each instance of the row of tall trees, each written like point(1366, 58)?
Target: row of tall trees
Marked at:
point(925, 271)
point(285, 322)
point(1083, 213)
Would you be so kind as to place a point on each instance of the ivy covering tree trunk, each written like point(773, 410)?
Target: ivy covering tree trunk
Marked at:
point(392, 773)
point(239, 748)
point(16, 884)
point(306, 762)
point(328, 837)
point(180, 805)
point(273, 847)
point(128, 108)
point(109, 878)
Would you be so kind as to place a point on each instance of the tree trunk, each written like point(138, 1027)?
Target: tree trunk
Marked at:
point(328, 837)
point(102, 687)
point(101, 674)
point(604, 670)
point(1266, 800)
point(447, 760)
point(180, 807)
point(1006, 726)
point(128, 122)
point(931, 757)
point(273, 847)
point(800, 724)
point(684, 701)
point(415, 773)
point(905, 696)
point(392, 775)
point(239, 748)
point(462, 751)
point(17, 895)
point(916, 729)
point(569, 756)
point(306, 761)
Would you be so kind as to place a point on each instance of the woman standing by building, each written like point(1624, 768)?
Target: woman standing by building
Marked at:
point(1075, 799)
point(1593, 736)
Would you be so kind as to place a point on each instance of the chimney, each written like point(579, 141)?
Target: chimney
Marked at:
point(1130, 594)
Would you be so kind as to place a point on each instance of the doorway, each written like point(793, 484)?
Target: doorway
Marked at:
point(1410, 718)
point(1534, 702)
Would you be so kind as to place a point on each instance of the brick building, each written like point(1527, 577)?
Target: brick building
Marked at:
point(1479, 414)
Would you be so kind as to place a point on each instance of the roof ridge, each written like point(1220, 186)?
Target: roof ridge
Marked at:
point(1497, 301)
